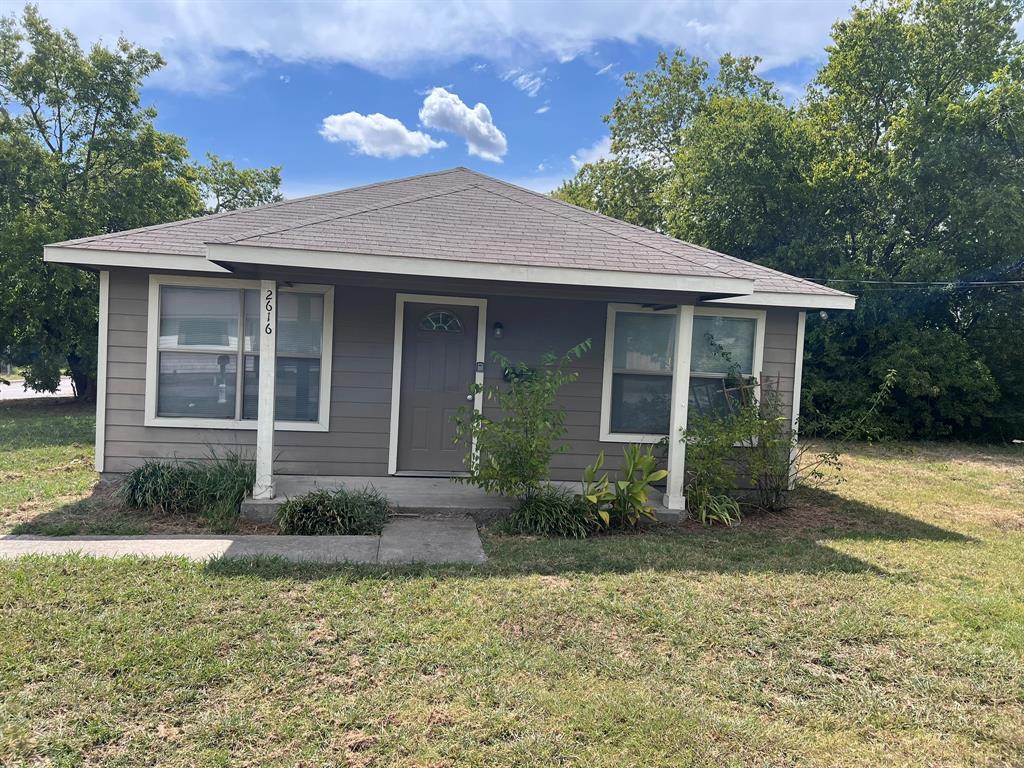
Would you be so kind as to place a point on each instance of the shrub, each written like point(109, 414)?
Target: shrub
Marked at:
point(622, 503)
point(212, 489)
point(514, 450)
point(342, 512)
point(753, 444)
point(550, 511)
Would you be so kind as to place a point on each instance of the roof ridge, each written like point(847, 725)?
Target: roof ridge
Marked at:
point(712, 251)
point(349, 212)
point(278, 204)
point(607, 231)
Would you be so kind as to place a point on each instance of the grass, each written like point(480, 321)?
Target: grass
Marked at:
point(880, 623)
point(48, 485)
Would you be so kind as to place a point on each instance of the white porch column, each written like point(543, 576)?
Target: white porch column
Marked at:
point(798, 380)
point(264, 487)
point(674, 498)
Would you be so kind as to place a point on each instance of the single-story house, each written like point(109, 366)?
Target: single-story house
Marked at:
point(381, 305)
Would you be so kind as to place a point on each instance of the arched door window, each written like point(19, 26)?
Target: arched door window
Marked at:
point(441, 320)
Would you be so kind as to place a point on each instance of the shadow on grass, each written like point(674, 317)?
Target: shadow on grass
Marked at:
point(791, 542)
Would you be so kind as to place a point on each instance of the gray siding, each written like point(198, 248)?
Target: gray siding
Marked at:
point(127, 442)
point(357, 443)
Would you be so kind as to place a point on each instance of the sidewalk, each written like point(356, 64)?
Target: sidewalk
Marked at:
point(16, 390)
point(404, 540)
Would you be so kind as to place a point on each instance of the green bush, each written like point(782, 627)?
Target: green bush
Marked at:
point(341, 512)
point(514, 450)
point(212, 489)
point(550, 511)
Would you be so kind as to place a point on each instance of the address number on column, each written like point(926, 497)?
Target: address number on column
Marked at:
point(269, 306)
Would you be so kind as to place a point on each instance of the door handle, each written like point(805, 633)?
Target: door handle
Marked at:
point(469, 397)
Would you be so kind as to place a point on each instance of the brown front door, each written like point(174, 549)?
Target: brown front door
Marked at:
point(438, 367)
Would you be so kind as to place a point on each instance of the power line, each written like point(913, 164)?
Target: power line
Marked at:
point(926, 283)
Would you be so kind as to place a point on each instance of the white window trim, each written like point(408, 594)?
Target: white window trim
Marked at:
point(152, 364)
point(401, 299)
point(606, 435)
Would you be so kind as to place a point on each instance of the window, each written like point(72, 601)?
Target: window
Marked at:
point(637, 389)
point(638, 386)
point(203, 364)
point(726, 353)
point(441, 320)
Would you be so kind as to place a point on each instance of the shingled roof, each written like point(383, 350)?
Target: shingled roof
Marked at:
point(456, 215)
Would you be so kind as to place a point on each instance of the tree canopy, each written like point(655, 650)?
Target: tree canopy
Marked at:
point(901, 164)
point(80, 156)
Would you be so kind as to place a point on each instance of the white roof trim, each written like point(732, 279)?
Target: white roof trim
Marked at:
point(795, 300)
point(100, 258)
point(474, 270)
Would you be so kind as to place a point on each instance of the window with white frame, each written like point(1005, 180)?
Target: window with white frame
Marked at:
point(725, 357)
point(207, 354)
point(637, 390)
point(638, 371)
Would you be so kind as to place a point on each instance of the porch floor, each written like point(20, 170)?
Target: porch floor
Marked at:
point(425, 496)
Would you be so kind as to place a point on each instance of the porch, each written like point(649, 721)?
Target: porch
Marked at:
point(413, 496)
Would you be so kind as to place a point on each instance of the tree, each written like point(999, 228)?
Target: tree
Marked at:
point(80, 156)
point(648, 126)
point(228, 188)
point(903, 163)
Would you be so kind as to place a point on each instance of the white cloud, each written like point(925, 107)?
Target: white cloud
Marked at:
point(599, 150)
point(529, 83)
point(445, 111)
point(377, 135)
point(201, 41)
point(605, 69)
point(542, 109)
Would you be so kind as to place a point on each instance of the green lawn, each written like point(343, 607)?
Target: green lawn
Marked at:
point(879, 624)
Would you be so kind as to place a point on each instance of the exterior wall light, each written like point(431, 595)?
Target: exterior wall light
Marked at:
point(499, 330)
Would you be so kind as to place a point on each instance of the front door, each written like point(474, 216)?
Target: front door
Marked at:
point(438, 366)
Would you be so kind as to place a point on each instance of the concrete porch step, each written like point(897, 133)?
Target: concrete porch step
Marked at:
point(411, 496)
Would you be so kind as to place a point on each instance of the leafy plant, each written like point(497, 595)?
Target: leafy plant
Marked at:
point(341, 512)
point(212, 489)
point(550, 511)
point(621, 503)
point(514, 449)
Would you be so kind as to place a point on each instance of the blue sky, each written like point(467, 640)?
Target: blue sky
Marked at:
point(349, 93)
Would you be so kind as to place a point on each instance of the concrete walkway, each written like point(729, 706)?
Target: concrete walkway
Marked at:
point(404, 540)
point(16, 390)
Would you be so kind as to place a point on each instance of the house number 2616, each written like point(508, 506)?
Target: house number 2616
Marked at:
point(269, 329)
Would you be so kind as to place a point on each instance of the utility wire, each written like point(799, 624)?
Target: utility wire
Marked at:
point(944, 283)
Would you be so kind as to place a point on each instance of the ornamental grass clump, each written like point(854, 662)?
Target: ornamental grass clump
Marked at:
point(550, 511)
point(341, 512)
point(211, 489)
